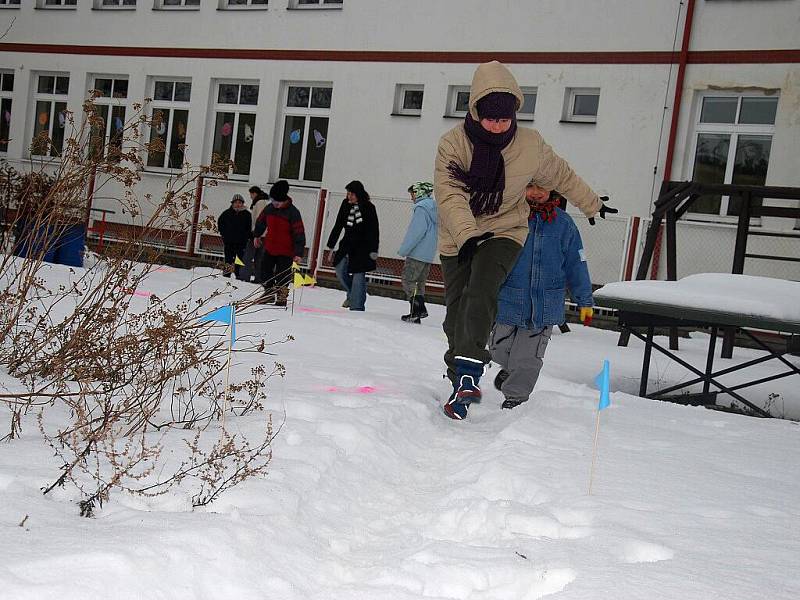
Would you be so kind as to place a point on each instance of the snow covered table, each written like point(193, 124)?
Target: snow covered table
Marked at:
point(714, 301)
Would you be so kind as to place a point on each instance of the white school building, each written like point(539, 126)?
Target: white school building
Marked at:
point(321, 92)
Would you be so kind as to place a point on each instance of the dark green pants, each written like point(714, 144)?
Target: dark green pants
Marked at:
point(470, 295)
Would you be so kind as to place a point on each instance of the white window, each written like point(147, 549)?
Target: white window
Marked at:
point(315, 3)
point(528, 108)
point(732, 143)
point(6, 89)
point(50, 102)
point(408, 99)
point(234, 4)
point(457, 101)
point(101, 4)
point(110, 101)
point(581, 104)
point(169, 122)
point(9, 3)
point(176, 4)
point(71, 4)
point(304, 136)
point(235, 124)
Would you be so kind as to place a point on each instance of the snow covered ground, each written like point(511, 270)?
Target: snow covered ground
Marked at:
point(374, 494)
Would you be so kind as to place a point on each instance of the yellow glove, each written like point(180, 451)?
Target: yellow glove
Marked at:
point(586, 313)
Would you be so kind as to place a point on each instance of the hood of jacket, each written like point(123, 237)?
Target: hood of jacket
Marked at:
point(492, 77)
point(428, 204)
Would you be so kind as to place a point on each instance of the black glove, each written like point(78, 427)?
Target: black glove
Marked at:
point(604, 209)
point(470, 246)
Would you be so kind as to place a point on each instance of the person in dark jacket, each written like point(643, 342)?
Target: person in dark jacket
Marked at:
point(358, 250)
point(532, 298)
point(234, 226)
point(283, 243)
point(253, 254)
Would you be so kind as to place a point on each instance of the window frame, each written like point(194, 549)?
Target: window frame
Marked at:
point(239, 109)
point(224, 5)
point(321, 5)
point(112, 102)
point(7, 95)
point(307, 113)
point(452, 99)
point(569, 115)
point(42, 5)
point(528, 117)
point(734, 130)
point(54, 99)
point(171, 105)
point(159, 5)
point(400, 96)
point(18, 5)
point(98, 5)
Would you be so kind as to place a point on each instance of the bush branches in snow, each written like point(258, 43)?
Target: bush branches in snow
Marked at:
point(111, 383)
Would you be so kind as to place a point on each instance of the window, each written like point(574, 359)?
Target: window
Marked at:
point(315, 3)
point(528, 108)
point(6, 88)
point(176, 4)
point(228, 4)
point(170, 120)
point(235, 124)
point(408, 100)
point(9, 3)
point(50, 101)
point(304, 135)
point(115, 3)
point(580, 105)
point(71, 4)
point(732, 143)
point(110, 104)
point(457, 101)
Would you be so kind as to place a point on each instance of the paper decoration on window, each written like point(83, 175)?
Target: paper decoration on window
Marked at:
point(161, 129)
point(43, 116)
point(319, 139)
point(7, 116)
point(294, 137)
point(248, 133)
point(62, 120)
point(226, 130)
point(181, 130)
point(117, 124)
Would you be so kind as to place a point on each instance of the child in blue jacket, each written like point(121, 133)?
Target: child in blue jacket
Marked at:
point(531, 300)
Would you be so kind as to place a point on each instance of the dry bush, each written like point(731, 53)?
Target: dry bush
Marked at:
point(129, 380)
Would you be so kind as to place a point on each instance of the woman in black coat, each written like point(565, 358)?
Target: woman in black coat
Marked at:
point(358, 250)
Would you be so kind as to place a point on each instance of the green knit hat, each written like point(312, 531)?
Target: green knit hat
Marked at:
point(422, 189)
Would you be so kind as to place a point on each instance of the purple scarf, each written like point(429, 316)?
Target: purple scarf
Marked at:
point(486, 178)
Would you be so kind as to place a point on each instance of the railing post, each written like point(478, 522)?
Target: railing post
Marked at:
point(316, 243)
point(198, 198)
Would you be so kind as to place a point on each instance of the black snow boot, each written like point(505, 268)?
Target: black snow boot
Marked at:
point(500, 379)
point(422, 312)
point(412, 316)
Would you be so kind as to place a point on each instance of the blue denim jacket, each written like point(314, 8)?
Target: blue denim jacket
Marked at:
point(553, 258)
point(422, 236)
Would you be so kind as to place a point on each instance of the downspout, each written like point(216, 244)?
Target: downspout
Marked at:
point(683, 59)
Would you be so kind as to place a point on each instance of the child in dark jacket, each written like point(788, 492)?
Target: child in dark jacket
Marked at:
point(284, 243)
point(531, 300)
point(234, 226)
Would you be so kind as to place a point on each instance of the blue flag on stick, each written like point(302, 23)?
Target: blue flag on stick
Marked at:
point(602, 383)
point(225, 314)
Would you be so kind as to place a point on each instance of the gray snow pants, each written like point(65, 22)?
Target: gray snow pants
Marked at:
point(519, 352)
point(415, 274)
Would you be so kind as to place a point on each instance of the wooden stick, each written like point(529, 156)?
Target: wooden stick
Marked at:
point(594, 451)
point(228, 367)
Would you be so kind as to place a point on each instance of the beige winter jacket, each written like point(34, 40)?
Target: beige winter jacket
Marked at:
point(527, 158)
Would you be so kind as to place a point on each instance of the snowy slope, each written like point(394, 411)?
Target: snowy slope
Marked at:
point(374, 494)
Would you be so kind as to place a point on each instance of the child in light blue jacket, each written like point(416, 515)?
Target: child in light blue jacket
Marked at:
point(419, 249)
point(532, 298)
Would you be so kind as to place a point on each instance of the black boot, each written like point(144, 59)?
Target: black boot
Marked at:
point(422, 312)
point(411, 317)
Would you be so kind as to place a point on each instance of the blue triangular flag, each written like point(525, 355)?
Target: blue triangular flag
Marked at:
point(602, 383)
point(224, 314)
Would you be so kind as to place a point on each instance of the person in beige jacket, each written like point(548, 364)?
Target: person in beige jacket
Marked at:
point(482, 169)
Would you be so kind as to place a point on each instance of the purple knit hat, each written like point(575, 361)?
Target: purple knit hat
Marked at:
point(497, 105)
